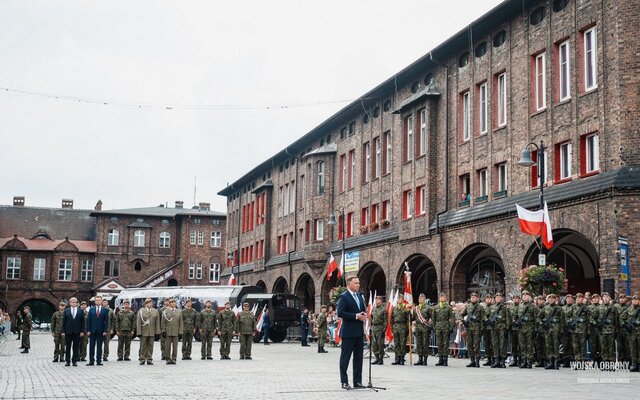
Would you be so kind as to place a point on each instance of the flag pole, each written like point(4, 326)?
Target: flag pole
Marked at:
point(408, 273)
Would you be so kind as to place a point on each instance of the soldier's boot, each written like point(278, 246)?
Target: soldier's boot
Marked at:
point(446, 361)
point(424, 361)
point(440, 361)
point(635, 368)
point(523, 363)
point(489, 362)
point(551, 364)
point(472, 364)
point(376, 361)
point(402, 360)
point(26, 350)
point(502, 360)
point(496, 363)
point(556, 364)
point(419, 361)
point(55, 359)
point(567, 363)
point(397, 361)
point(541, 363)
point(381, 360)
point(514, 362)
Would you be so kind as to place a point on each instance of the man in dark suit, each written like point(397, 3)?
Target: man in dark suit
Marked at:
point(72, 330)
point(97, 328)
point(351, 309)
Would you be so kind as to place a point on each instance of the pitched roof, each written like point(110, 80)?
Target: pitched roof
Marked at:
point(160, 212)
point(83, 246)
point(58, 223)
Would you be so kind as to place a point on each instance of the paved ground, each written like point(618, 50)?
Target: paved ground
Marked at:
point(279, 371)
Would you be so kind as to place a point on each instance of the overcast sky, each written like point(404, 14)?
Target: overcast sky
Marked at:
point(176, 53)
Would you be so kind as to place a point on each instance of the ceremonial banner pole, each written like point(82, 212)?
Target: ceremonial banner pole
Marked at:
point(408, 280)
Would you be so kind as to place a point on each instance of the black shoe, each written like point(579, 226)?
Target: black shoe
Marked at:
point(424, 361)
point(501, 363)
point(142, 362)
point(402, 361)
point(495, 363)
point(242, 358)
point(248, 358)
point(514, 362)
point(209, 358)
point(184, 358)
point(396, 362)
point(419, 361)
point(127, 359)
point(440, 361)
point(523, 364)
point(359, 386)
point(488, 363)
point(346, 386)
point(83, 359)
point(472, 364)
point(105, 359)
point(381, 361)
point(67, 364)
point(100, 364)
point(119, 359)
point(376, 362)
point(202, 358)
point(55, 359)
point(75, 364)
point(89, 364)
point(25, 351)
point(540, 364)
point(446, 361)
point(149, 362)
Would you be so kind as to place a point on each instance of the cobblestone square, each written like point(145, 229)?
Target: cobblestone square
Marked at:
point(280, 371)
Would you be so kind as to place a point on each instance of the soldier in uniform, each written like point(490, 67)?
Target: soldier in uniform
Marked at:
point(400, 317)
point(19, 322)
point(444, 320)
point(189, 320)
point(226, 325)
point(526, 329)
point(473, 320)
point(245, 328)
point(565, 336)
point(552, 321)
point(622, 338)
point(422, 315)
point(56, 332)
point(107, 337)
point(321, 321)
point(125, 322)
point(578, 326)
point(486, 333)
point(84, 340)
point(379, 319)
point(606, 326)
point(147, 327)
point(515, 344)
point(163, 353)
point(171, 325)
point(594, 334)
point(207, 323)
point(632, 326)
point(539, 348)
point(26, 329)
point(500, 324)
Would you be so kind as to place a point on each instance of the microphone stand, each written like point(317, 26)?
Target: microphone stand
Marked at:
point(370, 384)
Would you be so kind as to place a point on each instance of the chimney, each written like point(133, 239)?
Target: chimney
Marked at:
point(179, 204)
point(205, 206)
point(98, 206)
point(67, 204)
point(18, 201)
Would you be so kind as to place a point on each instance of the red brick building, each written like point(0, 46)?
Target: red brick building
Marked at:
point(423, 168)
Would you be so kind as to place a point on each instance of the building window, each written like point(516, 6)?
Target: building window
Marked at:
point(364, 217)
point(138, 238)
point(406, 204)
point(214, 273)
point(65, 266)
point(343, 133)
point(199, 270)
point(319, 229)
point(408, 138)
point(375, 211)
point(86, 272)
point(352, 128)
point(340, 225)
point(482, 183)
point(343, 172)
point(113, 237)
point(303, 191)
point(192, 238)
point(200, 238)
point(165, 240)
point(421, 200)
point(540, 82)
point(320, 171)
point(386, 144)
point(192, 270)
point(386, 211)
point(13, 267)
point(375, 168)
point(350, 224)
point(499, 38)
point(535, 179)
point(537, 16)
point(466, 116)
point(590, 59)
point(502, 177)
point(465, 189)
point(366, 168)
point(352, 168)
point(564, 71)
point(111, 268)
point(502, 99)
point(39, 269)
point(563, 161)
point(422, 123)
point(483, 108)
point(307, 231)
point(216, 239)
point(285, 199)
point(590, 157)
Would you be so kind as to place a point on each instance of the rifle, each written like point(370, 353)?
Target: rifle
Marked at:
point(546, 323)
point(604, 320)
point(471, 317)
point(632, 322)
point(573, 323)
point(522, 318)
point(495, 316)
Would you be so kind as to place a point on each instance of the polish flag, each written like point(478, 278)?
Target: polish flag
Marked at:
point(337, 337)
point(393, 301)
point(232, 280)
point(408, 292)
point(260, 321)
point(367, 323)
point(332, 266)
point(536, 223)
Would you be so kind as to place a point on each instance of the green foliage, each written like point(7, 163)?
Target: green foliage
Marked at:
point(543, 279)
point(335, 293)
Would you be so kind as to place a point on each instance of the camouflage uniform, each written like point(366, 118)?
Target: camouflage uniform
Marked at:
point(207, 323)
point(443, 319)
point(322, 330)
point(422, 332)
point(486, 334)
point(226, 324)
point(400, 317)
point(565, 337)
point(246, 327)
point(604, 322)
point(84, 340)
point(526, 329)
point(190, 321)
point(539, 348)
point(125, 323)
point(580, 317)
point(58, 339)
point(498, 334)
point(473, 319)
point(632, 326)
point(512, 312)
point(552, 321)
point(622, 338)
point(378, 328)
point(594, 335)
point(26, 332)
point(162, 339)
point(109, 334)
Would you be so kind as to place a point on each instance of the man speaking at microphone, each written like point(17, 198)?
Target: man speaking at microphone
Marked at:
point(351, 309)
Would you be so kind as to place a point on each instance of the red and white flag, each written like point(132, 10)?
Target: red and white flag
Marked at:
point(408, 292)
point(332, 266)
point(393, 300)
point(536, 223)
point(367, 323)
point(337, 338)
point(236, 310)
point(232, 280)
point(260, 321)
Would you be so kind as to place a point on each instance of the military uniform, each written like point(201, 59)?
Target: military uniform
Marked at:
point(226, 324)
point(632, 327)
point(163, 352)
point(207, 323)
point(500, 323)
point(246, 327)
point(473, 320)
point(26, 332)
point(593, 337)
point(171, 325)
point(58, 339)
point(443, 319)
point(109, 333)
point(526, 329)
point(486, 335)
point(552, 321)
point(565, 336)
point(400, 317)
point(512, 312)
point(578, 326)
point(19, 322)
point(422, 332)
point(125, 322)
point(147, 327)
point(622, 337)
point(539, 347)
point(605, 323)
point(379, 319)
point(84, 340)
point(190, 321)
point(322, 331)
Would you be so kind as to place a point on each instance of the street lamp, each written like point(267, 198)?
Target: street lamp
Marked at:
point(526, 161)
point(332, 221)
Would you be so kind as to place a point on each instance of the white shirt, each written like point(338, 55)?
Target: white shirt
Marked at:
point(355, 297)
point(73, 312)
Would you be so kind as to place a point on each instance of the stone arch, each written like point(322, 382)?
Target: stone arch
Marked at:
point(478, 268)
point(372, 279)
point(306, 292)
point(424, 278)
point(280, 286)
point(576, 254)
point(262, 285)
point(41, 309)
